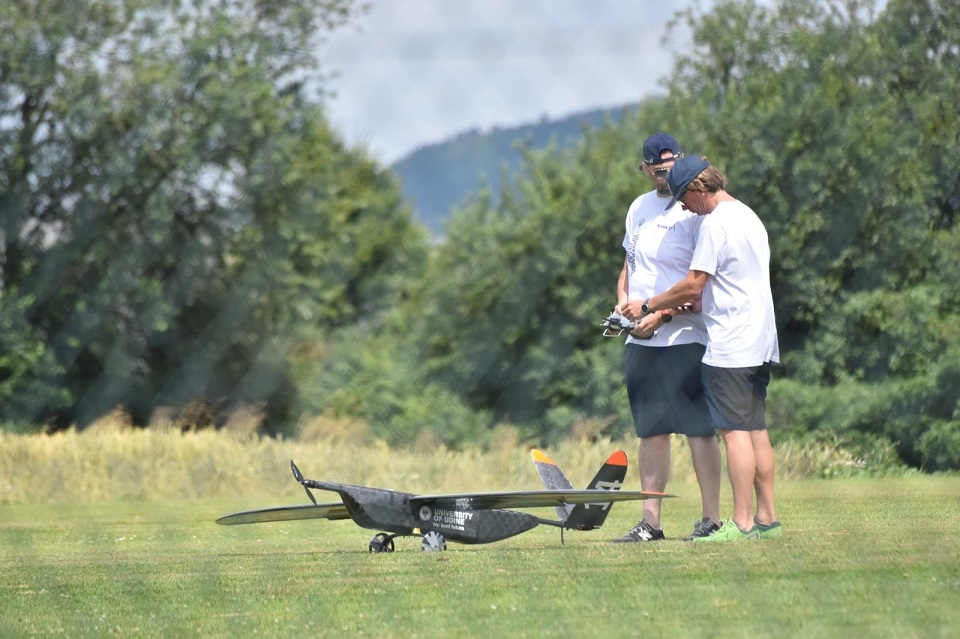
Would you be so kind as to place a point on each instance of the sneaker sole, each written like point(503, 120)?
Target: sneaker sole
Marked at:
point(723, 535)
point(774, 531)
point(637, 541)
point(753, 535)
point(692, 537)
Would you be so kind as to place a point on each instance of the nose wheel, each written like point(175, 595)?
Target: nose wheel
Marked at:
point(382, 542)
point(430, 542)
point(433, 542)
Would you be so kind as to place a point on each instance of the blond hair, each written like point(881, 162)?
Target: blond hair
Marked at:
point(711, 179)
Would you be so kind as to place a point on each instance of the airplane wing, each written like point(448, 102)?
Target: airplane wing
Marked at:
point(286, 513)
point(531, 498)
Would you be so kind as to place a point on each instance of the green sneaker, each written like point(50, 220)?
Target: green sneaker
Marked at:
point(769, 531)
point(729, 531)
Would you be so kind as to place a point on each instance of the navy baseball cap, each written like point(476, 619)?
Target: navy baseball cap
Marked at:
point(682, 174)
point(657, 144)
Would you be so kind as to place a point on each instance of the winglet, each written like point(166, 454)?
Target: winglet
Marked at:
point(619, 458)
point(552, 478)
point(539, 456)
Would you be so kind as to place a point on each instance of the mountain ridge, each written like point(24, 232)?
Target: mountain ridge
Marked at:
point(437, 177)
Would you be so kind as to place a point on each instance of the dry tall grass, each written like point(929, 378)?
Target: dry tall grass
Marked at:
point(112, 461)
point(101, 464)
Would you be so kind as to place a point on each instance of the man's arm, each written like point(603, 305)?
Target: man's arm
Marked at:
point(623, 286)
point(680, 293)
point(645, 328)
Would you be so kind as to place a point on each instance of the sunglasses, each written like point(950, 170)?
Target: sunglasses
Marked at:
point(661, 172)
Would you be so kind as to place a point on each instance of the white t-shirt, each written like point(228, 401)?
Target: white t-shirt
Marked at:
point(733, 248)
point(659, 245)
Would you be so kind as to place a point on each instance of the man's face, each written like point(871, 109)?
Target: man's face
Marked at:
point(695, 202)
point(658, 172)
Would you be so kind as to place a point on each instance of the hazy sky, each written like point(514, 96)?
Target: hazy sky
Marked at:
point(415, 72)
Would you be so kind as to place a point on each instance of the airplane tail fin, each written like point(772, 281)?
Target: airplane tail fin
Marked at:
point(583, 516)
point(609, 477)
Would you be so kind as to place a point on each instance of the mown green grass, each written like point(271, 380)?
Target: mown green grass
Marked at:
point(861, 557)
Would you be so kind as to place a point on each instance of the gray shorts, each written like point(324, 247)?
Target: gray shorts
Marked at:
point(737, 397)
point(665, 388)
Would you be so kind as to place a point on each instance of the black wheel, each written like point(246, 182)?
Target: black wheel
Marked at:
point(433, 542)
point(381, 542)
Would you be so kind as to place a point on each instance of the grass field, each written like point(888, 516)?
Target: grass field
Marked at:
point(874, 557)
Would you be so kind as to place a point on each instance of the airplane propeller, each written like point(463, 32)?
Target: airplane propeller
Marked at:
point(299, 477)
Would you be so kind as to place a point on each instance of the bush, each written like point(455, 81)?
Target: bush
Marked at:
point(868, 418)
point(939, 446)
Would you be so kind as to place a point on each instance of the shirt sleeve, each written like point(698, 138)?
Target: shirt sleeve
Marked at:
point(706, 254)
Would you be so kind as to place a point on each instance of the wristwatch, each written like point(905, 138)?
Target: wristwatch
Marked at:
point(645, 309)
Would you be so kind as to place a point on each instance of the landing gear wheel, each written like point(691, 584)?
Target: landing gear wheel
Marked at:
point(433, 542)
point(381, 542)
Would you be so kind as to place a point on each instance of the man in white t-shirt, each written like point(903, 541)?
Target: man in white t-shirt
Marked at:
point(730, 267)
point(663, 356)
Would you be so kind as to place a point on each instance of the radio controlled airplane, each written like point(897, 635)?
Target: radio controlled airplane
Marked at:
point(467, 518)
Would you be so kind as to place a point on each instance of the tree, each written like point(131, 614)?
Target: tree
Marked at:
point(509, 318)
point(838, 126)
point(176, 206)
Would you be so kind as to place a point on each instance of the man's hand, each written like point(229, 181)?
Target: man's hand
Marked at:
point(647, 326)
point(694, 306)
point(631, 309)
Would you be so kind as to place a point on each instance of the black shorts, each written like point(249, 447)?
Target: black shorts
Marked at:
point(665, 388)
point(737, 397)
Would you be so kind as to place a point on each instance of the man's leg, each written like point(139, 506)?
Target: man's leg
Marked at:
point(707, 465)
point(763, 482)
point(742, 467)
point(653, 459)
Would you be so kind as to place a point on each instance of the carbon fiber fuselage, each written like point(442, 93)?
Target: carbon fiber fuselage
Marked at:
point(392, 511)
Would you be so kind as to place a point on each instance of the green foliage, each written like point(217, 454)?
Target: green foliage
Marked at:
point(23, 356)
point(175, 207)
point(504, 328)
point(939, 446)
point(916, 418)
point(180, 223)
point(510, 313)
point(805, 124)
point(382, 382)
point(829, 118)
